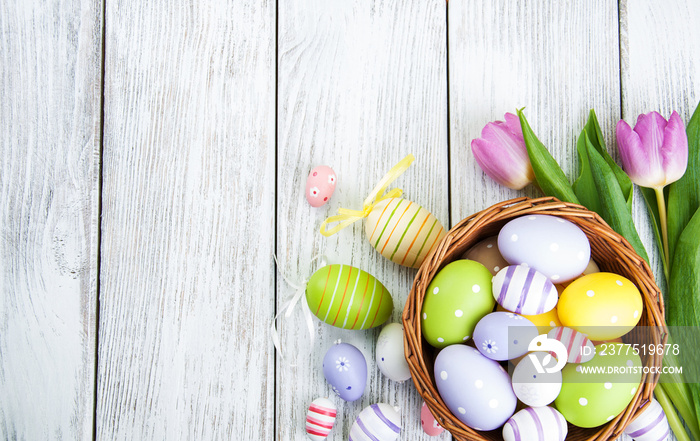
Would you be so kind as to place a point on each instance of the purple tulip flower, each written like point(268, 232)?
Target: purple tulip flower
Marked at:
point(502, 154)
point(655, 153)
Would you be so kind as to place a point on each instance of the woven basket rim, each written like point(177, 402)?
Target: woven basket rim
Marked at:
point(466, 233)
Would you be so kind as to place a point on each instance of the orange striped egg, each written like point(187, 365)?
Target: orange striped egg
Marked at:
point(403, 231)
point(320, 419)
point(347, 297)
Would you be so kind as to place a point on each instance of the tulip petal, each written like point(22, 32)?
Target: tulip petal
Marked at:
point(674, 151)
point(498, 133)
point(642, 166)
point(499, 165)
point(513, 124)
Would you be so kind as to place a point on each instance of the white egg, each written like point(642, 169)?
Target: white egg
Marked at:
point(535, 388)
point(378, 422)
point(536, 424)
point(650, 425)
point(320, 419)
point(390, 355)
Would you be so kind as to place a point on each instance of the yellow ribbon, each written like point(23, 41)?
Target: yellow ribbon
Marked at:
point(379, 193)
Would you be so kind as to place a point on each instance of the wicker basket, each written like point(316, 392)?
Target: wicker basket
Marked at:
point(608, 249)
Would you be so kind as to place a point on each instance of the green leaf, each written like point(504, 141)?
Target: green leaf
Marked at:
point(549, 176)
point(684, 194)
point(584, 185)
point(653, 209)
point(613, 204)
point(684, 301)
point(595, 135)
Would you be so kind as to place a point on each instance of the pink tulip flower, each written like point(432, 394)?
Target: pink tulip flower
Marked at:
point(655, 153)
point(502, 154)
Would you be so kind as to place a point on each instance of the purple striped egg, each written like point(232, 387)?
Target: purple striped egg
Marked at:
point(535, 424)
point(320, 419)
point(579, 347)
point(650, 425)
point(521, 289)
point(378, 422)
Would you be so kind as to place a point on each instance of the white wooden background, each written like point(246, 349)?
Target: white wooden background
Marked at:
point(153, 157)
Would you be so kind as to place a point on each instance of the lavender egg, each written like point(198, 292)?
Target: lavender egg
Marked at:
point(503, 335)
point(523, 290)
point(378, 422)
point(476, 389)
point(536, 424)
point(552, 245)
point(345, 369)
point(650, 425)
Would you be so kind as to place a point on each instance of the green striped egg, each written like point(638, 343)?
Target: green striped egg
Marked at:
point(347, 297)
point(403, 231)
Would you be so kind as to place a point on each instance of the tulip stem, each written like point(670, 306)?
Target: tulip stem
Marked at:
point(661, 202)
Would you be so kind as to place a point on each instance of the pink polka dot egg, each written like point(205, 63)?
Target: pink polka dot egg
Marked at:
point(320, 185)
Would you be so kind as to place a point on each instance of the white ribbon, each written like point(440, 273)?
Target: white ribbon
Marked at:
point(290, 304)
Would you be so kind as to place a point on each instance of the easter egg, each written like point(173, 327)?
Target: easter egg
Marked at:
point(476, 389)
point(545, 321)
point(377, 422)
point(603, 305)
point(347, 297)
point(389, 353)
point(551, 245)
point(403, 231)
point(521, 289)
point(428, 422)
point(578, 346)
point(320, 185)
point(486, 253)
point(503, 335)
point(650, 425)
point(595, 392)
point(456, 299)
point(345, 369)
point(536, 388)
point(320, 419)
point(536, 424)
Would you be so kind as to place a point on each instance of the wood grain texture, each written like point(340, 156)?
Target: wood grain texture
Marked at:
point(50, 57)
point(188, 221)
point(361, 85)
point(558, 60)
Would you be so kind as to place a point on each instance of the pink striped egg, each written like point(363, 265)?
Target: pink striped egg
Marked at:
point(429, 423)
point(521, 289)
point(579, 347)
point(378, 422)
point(650, 425)
point(536, 424)
point(320, 419)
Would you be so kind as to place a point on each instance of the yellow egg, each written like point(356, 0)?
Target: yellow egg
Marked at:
point(545, 322)
point(603, 306)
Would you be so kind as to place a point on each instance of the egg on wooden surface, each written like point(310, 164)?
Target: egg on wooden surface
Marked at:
point(347, 297)
point(320, 185)
point(456, 299)
point(476, 389)
point(579, 347)
point(535, 424)
point(535, 388)
point(603, 306)
point(588, 399)
point(390, 354)
point(345, 369)
point(650, 425)
point(503, 335)
point(551, 245)
point(428, 422)
point(403, 231)
point(486, 253)
point(320, 419)
point(523, 290)
point(377, 422)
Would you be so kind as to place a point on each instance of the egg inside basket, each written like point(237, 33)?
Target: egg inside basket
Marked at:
point(609, 250)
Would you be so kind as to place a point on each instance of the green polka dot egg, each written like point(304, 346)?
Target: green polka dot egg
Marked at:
point(595, 392)
point(457, 298)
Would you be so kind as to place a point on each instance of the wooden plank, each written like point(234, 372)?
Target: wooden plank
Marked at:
point(361, 85)
point(557, 60)
point(50, 70)
point(660, 68)
point(188, 221)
